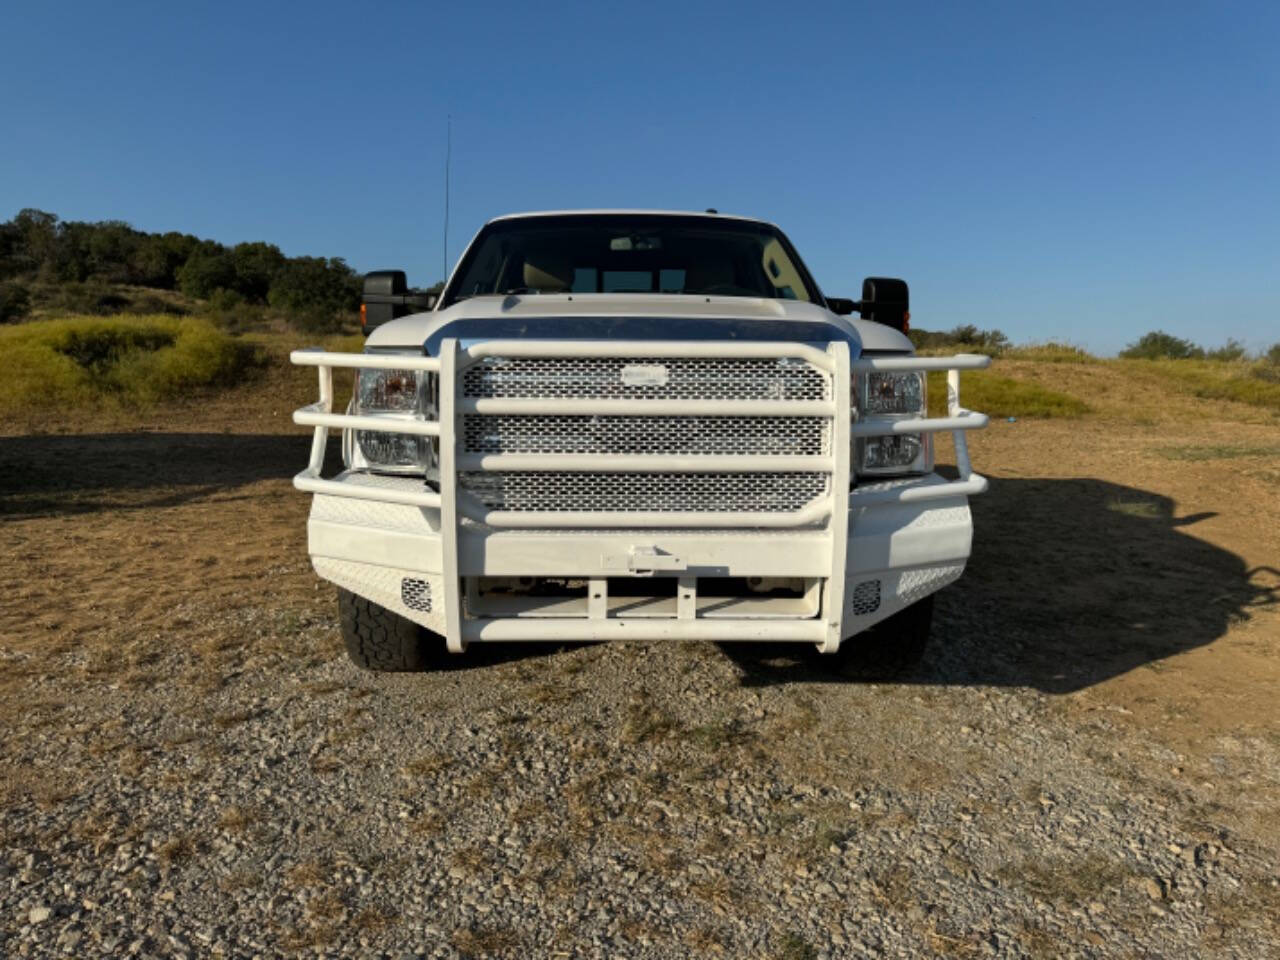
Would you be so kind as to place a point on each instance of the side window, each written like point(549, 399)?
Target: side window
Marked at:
point(584, 280)
point(671, 281)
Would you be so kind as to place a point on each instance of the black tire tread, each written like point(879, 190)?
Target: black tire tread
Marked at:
point(377, 639)
point(893, 646)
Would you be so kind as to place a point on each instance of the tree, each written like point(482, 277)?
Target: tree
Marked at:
point(15, 301)
point(314, 290)
point(209, 268)
point(38, 232)
point(1158, 345)
point(256, 266)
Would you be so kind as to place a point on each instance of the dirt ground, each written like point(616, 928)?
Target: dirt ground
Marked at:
point(1126, 565)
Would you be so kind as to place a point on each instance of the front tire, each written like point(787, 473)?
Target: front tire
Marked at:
point(893, 646)
point(377, 639)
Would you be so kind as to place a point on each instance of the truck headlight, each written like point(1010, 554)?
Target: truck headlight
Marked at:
point(900, 453)
point(892, 396)
point(397, 394)
point(889, 393)
point(387, 391)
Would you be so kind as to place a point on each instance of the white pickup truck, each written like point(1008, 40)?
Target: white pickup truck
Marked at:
point(635, 425)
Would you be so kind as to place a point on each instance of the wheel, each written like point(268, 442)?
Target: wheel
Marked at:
point(378, 639)
point(892, 646)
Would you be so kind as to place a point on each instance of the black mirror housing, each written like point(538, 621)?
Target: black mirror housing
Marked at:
point(387, 296)
point(886, 300)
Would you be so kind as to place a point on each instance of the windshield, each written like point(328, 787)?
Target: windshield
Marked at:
point(631, 253)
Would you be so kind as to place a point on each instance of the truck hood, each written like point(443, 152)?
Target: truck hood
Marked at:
point(633, 317)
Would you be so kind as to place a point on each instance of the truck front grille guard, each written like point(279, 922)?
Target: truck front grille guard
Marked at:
point(831, 507)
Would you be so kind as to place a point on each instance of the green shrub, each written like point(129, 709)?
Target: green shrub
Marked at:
point(128, 359)
point(230, 310)
point(1233, 351)
point(1158, 345)
point(962, 339)
point(15, 301)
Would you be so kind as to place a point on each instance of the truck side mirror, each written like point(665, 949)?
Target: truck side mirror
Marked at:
point(886, 300)
point(387, 296)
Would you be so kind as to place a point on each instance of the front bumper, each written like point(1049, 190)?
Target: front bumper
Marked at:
point(430, 554)
point(394, 555)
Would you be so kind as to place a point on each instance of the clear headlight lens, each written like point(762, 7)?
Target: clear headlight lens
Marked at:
point(387, 391)
point(901, 453)
point(398, 393)
point(393, 449)
point(892, 393)
point(892, 396)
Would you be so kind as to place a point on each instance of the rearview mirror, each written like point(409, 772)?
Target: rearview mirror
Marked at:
point(387, 296)
point(884, 300)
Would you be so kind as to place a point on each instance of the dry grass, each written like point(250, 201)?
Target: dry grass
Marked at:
point(238, 819)
point(483, 941)
point(792, 946)
point(308, 873)
point(704, 941)
point(428, 765)
point(1049, 352)
point(179, 848)
point(1215, 380)
point(646, 722)
point(1072, 881)
point(1195, 453)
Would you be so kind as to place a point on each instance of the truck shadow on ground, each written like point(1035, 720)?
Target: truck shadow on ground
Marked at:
point(1071, 582)
point(42, 475)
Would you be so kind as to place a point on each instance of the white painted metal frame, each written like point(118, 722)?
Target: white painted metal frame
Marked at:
point(453, 504)
point(958, 420)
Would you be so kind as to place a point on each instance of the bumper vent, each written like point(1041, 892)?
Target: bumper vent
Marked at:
point(416, 594)
point(866, 598)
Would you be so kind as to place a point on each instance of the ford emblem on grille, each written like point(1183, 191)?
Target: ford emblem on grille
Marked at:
point(644, 375)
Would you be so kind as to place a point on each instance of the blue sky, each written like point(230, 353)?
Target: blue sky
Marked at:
point(1067, 170)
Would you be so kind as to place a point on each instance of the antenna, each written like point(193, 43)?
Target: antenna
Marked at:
point(448, 153)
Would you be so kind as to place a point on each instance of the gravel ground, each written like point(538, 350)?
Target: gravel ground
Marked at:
point(602, 801)
point(1087, 763)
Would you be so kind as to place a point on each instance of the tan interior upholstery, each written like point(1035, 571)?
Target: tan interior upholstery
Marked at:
point(550, 274)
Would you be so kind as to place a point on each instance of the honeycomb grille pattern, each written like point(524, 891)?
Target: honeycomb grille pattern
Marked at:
point(631, 492)
point(687, 378)
point(866, 598)
point(688, 436)
point(416, 594)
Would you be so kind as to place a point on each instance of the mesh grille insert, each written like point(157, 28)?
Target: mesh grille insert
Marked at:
point(416, 594)
point(686, 378)
point(781, 492)
point(760, 436)
point(866, 598)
